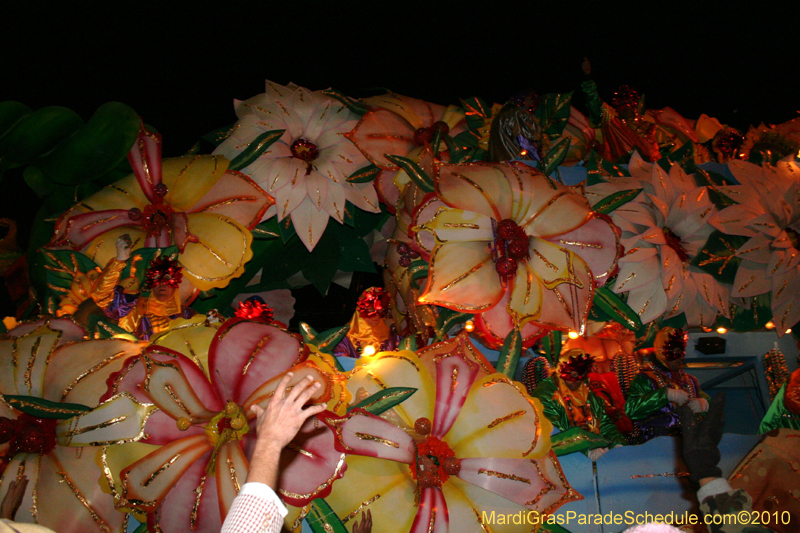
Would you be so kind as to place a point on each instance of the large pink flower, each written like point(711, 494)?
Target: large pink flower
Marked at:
point(193, 202)
point(467, 441)
point(49, 361)
point(516, 247)
point(205, 427)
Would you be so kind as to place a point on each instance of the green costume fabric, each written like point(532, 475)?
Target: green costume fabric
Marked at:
point(643, 400)
point(547, 392)
point(778, 416)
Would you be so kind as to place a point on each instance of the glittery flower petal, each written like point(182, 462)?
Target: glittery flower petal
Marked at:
point(309, 223)
point(432, 514)
point(192, 504)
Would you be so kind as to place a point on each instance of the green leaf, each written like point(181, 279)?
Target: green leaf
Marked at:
point(743, 319)
point(577, 439)
point(718, 256)
point(255, 149)
point(509, 354)
point(408, 343)
point(598, 169)
point(142, 529)
point(38, 133)
point(364, 175)
point(355, 256)
point(554, 157)
point(267, 230)
point(383, 400)
point(417, 175)
point(322, 519)
point(217, 136)
point(618, 199)
point(553, 113)
point(41, 408)
point(327, 340)
point(321, 265)
point(11, 113)
point(62, 266)
point(447, 319)
point(286, 229)
point(99, 327)
point(37, 182)
point(353, 105)
point(551, 344)
point(417, 270)
point(96, 148)
point(613, 306)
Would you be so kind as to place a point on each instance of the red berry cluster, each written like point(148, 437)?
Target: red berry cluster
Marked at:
point(28, 434)
point(423, 136)
point(510, 246)
point(407, 254)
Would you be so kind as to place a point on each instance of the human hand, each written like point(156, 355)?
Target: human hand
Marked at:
point(13, 499)
point(366, 523)
point(698, 405)
point(677, 396)
point(701, 439)
point(278, 424)
point(596, 453)
point(123, 247)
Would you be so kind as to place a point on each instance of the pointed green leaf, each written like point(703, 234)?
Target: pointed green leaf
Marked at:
point(267, 229)
point(553, 113)
point(364, 175)
point(718, 256)
point(408, 343)
point(417, 270)
point(598, 169)
point(62, 266)
point(613, 306)
point(41, 408)
point(218, 135)
point(11, 113)
point(551, 344)
point(322, 519)
point(384, 400)
point(419, 176)
point(353, 105)
point(743, 319)
point(355, 256)
point(610, 203)
point(286, 229)
point(554, 157)
point(255, 149)
point(38, 133)
point(142, 529)
point(447, 319)
point(509, 354)
point(37, 182)
point(319, 267)
point(327, 340)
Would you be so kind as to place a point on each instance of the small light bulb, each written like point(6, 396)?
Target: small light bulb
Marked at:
point(788, 331)
point(524, 152)
point(573, 334)
point(706, 330)
point(469, 325)
point(369, 350)
point(721, 330)
point(769, 325)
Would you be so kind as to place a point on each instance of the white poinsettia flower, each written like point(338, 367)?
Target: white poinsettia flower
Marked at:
point(768, 212)
point(306, 170)
point(663, 229)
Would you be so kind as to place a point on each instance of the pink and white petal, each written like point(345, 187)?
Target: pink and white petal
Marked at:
point(637, 213)
point(735, 220)
point(751, 280)
point(145, 160)
point(495, 324)
point(467, 504)
point(477, 187)
point(245, 354)
point(700, 314)
point(85, 382)
point(782, 241)
point(649, 301)
point(654, 236)
point(117, 420)
point(360, 433)
point(639, 168)
point(316, 189)
point(381, 132)
point(231, 468)
point(289, 198)
point(261, 395)
point(151, 478)
point(462, 276)
point(362, 195)
point(67, 487)
point(26, 464)
point(456, 225)
point(499, 420)
point(633, 275)
point(542, 209)
point(310, 465)
point(178, 387)
point(334, 202)
point(71, 331)
point(432, 515)
point(660, 208)
point(765, 224)
point(315, 115)
point(597, 243)
point(385, 488)
point(396, 369)
point(220, 254)
point(78, 230)
point(237, 197)
point(526, 293)
point(757, 249)
point(309, 223)
point(785, 304)
point(679, 301)
point(386, 189)
point(190, 178)
point(26, 360)
point(191, 505)
point(636, 254)
point(454, 376)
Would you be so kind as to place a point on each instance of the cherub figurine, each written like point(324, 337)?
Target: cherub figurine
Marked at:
point(370, 331)
point(662, 386)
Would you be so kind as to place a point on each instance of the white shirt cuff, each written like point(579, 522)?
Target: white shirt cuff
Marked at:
point(716, 486)
point(261, 490)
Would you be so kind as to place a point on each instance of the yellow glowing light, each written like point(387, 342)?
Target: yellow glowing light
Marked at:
point(524, 152)
point(369, 350)
point(788, 331)
point(769, 325)
point(573, 334)
point(721, 330)
point(707, 330)
point(469, 325)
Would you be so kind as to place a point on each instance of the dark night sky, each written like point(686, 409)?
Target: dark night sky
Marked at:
point(181, 67)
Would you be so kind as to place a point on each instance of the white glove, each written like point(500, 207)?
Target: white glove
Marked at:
point(595, 454)
point(698, 405)
point(677, 396)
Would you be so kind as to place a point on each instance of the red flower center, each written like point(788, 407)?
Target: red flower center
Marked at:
point(28, 434)
point(156, 217)
point(511, 245)
point(305, 151)
point(674, 242)
point(423, 136)
point(429, 465)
